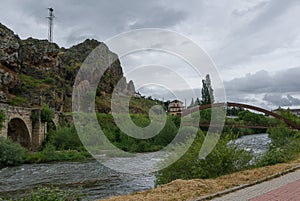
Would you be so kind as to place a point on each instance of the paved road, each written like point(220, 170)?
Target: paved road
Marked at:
point(284, 188)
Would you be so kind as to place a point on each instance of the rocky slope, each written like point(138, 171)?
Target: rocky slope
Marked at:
point(33, 72)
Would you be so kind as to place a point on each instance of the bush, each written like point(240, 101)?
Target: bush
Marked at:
point(133, 145)
point(64, 138)
point(49, 153)
point(47, 114)
point(11, 153)
point(285, 146)
point(222, 160)
point(280, 136)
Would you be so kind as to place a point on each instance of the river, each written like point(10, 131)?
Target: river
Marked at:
point(257, 144)
point(96, 180)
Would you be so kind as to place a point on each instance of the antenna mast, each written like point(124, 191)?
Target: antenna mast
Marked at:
point(50, 18)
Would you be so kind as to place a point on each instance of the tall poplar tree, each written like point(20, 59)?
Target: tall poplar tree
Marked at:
point(207, 91)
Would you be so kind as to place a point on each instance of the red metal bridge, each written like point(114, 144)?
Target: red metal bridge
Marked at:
point(240, 105)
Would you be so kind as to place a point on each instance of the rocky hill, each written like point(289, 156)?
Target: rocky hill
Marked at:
point(34, 72)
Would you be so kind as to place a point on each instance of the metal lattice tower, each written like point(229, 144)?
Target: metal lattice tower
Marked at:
point(51, 19)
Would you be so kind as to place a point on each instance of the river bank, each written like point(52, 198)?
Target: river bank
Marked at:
point(191, 189)
point(99, 182)
point(93, 179)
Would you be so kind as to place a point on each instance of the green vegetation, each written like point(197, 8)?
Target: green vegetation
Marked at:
point(51, 194)
point(17, 101)
point(285, 146)
point(2, 119)
point(136, 105)
point(11, 153)
point(30, 82)
point(289, 115)
point(47, 114)
point(62, 144)
point(207, 91)
point(225, 158)
point(64, 138)
point(247, 118)
point(49, 153)
point(133, 145)
point(49, 80)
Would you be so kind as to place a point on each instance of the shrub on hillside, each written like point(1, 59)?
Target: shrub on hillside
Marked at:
point(47, 114)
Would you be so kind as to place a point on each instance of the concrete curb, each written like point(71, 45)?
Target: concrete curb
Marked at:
point(227, 191)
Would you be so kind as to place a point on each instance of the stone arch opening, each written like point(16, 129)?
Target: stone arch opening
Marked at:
point(18, 132)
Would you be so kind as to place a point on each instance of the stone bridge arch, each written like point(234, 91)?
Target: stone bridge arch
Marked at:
point(18, 131)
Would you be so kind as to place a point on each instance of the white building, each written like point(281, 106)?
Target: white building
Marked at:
point(175, 107)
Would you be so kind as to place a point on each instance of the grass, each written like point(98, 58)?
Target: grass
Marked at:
point(31, 82)
point(50, 194)
point(17, 101)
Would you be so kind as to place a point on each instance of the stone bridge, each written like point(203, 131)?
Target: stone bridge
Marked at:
point(24, 125)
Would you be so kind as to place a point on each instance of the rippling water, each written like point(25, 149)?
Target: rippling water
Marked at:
point(95, 179)
point(258, 143)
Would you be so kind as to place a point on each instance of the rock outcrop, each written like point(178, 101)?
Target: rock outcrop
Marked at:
point(33, 72)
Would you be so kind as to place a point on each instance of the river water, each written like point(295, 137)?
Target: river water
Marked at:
point(257, 144)
point(96, 180)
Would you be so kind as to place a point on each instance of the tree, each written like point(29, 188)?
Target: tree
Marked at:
point(207, 91)
point(197, 102)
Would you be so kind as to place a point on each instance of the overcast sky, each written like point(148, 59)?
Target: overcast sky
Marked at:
point(255, 44)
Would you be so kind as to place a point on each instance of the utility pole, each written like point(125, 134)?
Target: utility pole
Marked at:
point(50, 28)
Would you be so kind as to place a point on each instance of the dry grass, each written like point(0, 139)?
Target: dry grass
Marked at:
point(189, 189)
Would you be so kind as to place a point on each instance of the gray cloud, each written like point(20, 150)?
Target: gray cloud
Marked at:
point(85, 19)
point(260, 31)
point(266, 89)
point(263, 82)
point(244, 11)
point(279, 100)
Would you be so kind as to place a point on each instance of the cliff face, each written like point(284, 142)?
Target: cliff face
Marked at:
point(33, 72)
